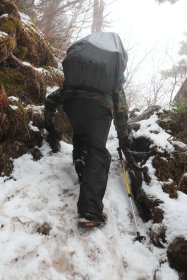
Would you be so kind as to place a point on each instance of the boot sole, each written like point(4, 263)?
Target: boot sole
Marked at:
point(83, 223)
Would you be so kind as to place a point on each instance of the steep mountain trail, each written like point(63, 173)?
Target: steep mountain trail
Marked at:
point(39, 238)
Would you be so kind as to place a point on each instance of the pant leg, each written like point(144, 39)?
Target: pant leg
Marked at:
point(79, 148)
point(93, 121)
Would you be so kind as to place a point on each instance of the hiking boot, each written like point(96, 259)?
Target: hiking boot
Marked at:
point(89, 220)
point(79, 168)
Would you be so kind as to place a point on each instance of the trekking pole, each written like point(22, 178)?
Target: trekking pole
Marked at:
point(138, 237)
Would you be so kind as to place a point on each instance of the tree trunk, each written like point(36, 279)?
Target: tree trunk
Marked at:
point(181, 96)
point(98, 10)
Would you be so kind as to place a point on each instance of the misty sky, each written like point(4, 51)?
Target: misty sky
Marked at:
point(145, 26)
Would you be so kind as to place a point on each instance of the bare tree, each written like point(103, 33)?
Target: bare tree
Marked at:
point(178, 72)
point(98, 18)
point(27, 7)
point(61, 21)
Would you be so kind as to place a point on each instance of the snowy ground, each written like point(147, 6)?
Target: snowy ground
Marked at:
point(47, 191)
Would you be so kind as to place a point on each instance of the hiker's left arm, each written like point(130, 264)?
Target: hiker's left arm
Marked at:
point(121, 116)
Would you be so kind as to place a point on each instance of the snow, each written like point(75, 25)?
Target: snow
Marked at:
point(4, 15)
point(13, 98)
point(166, 273)
point(28, 24)
point(44, 71)
point(151, 130)
point(34, 128)
point(27, 63)
point(179, 144)
point(35, 108)
point(25, 18)
point(175, 211)
point(47, 191)
point(13, 107)
point(51, 89)
point(3, 34)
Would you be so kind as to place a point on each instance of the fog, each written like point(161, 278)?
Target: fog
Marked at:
point(151, 33)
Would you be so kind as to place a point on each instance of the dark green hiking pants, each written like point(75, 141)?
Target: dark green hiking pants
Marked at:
point(91, 123)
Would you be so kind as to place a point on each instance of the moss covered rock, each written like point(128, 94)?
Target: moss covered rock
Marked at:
point(177, 254)
point(24, 83)
point(5, 46)
point(26, 41)
point(27, 67)
point(16, 135)
point(175, 121)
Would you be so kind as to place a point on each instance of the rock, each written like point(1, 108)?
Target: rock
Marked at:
point(133, 113)
point(175, 122)
point(141, 144)
point(27, 67)
point(157, 215)
point(5, 46)
point(44, 229)
point(16, 137)
point(181, 96)
point(35, 139)
point(8, 151)
point(171, 189)
point(8, 7)
point(36, 153)
point(146, 114)
point(21, 41)
point(147, 205)
point(37, 119)
point(177, 254)
point(26, 41)
point(134, 126)
point(171, 167)
point(158, 236)
point(183, 184)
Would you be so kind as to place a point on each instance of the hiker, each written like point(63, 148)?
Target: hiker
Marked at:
point(90, 112)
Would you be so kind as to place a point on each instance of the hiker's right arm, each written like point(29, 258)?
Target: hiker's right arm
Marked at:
point(52, 102)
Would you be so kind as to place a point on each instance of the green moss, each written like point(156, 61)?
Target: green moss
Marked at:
point(179, 109)
point(176, 121)
point(27, 43)
point(23, 51)
point(8, 25)
point(12, 80)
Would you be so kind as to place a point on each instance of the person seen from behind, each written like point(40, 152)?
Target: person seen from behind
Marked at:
point(91, 103)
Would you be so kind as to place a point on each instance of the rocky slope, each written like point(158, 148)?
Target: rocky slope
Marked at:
point(161, 135)
point(27, 67)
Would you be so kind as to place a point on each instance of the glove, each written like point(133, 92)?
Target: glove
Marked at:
point(125, 145)
point(53, 131)
point(124, 142)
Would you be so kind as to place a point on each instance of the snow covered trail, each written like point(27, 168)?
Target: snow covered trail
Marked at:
point(46, 191)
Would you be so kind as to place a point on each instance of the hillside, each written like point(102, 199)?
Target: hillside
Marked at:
point(39, 224)
point(39, 237)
